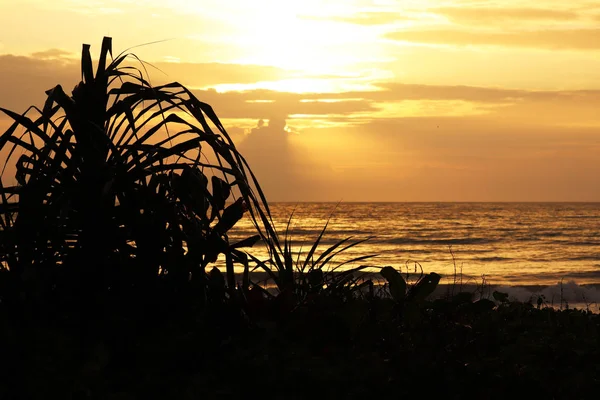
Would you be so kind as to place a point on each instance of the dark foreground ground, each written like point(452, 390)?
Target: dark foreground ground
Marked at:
point(328, 347)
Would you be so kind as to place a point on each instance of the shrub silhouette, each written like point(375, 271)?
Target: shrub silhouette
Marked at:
point(119, 187)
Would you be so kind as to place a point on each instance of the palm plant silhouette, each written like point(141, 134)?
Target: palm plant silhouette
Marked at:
point(119, 184)
point(123, 186)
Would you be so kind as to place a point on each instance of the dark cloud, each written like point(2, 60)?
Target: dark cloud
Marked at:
point(23, 80)
point(560, 39)
point(283, 170)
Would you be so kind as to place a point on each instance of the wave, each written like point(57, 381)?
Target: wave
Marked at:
point(577, 243)
point(490, 259)
point(582, 258)
point(550, 234)
point(475, 240)
point(527, 239)
point(567, 292)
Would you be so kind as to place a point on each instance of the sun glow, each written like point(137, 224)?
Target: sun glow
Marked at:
point(279, 34)
point(294, 43)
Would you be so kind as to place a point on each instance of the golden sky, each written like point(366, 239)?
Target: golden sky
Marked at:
point(416, 100)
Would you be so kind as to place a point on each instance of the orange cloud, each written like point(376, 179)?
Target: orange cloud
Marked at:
point(51, 54)
point(261, 104)
point(487, 15)
point(559, 39)
point(24, 79)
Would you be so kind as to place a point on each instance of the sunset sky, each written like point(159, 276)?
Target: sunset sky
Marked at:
point(417, 100)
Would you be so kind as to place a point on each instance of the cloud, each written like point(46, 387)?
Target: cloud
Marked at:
point(24, 79)
point(532, 145)
point(367, 18)
point(469, 158)
point(558, 39)
point(262, 103)
point(398, 91)
point(491, 15)
point(409, 100)
point(51, 54)
point(284, 170)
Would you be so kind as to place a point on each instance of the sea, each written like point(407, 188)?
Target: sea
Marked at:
point(521, 248)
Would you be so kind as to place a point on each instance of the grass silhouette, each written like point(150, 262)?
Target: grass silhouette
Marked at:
point(123, 198)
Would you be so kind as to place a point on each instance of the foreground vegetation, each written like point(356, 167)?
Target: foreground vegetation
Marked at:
point(328, 346)
point(122, 198)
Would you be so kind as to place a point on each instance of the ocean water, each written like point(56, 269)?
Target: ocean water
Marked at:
point(510, 244)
